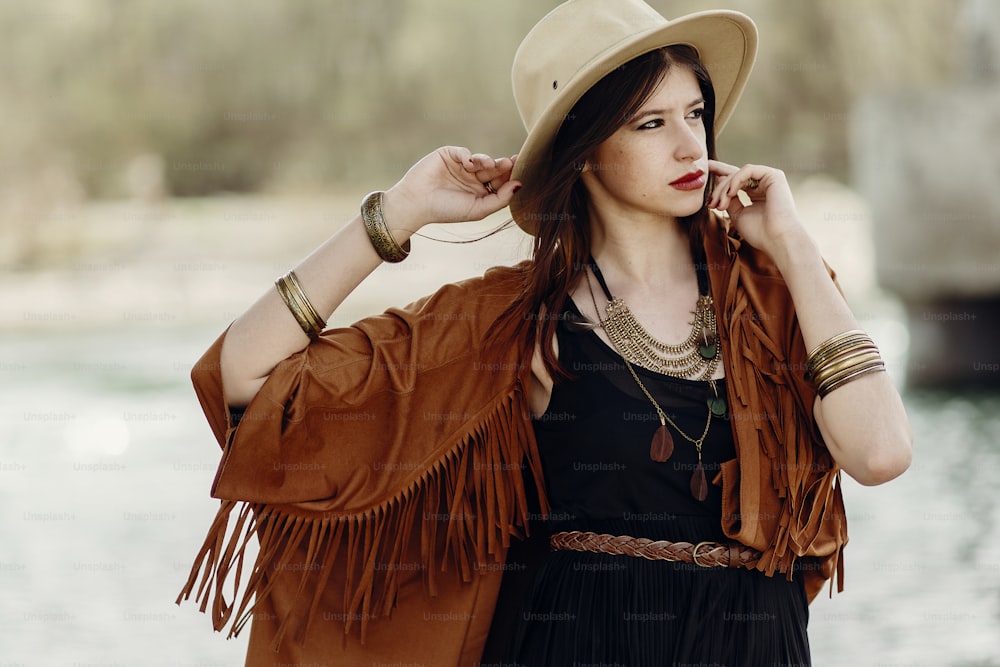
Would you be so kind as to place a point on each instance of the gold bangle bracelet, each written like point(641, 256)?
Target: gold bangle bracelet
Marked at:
point(833, 347)
point(847, 369)
point(845, 360)
point(854, 374)
point(316, 322)
point(299, 305)
point(834, 340)
point(837, 364)
point(841, 359)
point(293, 308)
point(306, 305)
point(378, 232)
point(850, 375)
point(835, 351)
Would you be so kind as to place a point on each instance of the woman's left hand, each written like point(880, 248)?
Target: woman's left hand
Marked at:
point(771, 223)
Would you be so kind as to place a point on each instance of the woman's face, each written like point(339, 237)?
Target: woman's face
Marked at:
point(656, 164)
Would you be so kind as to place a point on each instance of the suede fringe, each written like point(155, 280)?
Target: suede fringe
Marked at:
point(475, 489)
point(805, 479)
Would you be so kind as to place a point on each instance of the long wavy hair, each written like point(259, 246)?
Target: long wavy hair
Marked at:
point(562, 243)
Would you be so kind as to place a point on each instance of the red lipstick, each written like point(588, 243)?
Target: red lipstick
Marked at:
point(694, 180)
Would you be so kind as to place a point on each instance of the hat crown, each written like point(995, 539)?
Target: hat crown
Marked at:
point(568, 39)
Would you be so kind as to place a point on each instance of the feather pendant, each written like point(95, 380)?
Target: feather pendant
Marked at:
point(699, 484)
point(662, 445)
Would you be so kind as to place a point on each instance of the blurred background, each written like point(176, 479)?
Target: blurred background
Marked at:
point(161, 163)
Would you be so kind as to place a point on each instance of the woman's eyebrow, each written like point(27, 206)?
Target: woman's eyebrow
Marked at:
point(655, 112)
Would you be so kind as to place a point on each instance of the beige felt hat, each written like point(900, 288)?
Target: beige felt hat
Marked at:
point(580, 41)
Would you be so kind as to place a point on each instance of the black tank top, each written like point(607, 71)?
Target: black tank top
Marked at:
point(594, 441)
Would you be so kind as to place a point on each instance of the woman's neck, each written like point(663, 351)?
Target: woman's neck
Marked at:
point(643, 254)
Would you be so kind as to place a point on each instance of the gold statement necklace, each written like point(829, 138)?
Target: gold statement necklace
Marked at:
point(697, 357)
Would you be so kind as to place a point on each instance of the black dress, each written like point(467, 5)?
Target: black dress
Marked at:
point(581, 608)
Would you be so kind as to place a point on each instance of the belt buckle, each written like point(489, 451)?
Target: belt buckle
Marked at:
point(694, 552)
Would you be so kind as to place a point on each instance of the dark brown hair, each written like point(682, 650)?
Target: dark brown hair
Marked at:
point(562, 243)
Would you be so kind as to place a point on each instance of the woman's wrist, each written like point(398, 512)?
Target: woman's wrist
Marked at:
point(794, 251)
point(400, 214)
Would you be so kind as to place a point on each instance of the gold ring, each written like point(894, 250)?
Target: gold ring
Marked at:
point(751, 184)
point(694, 552)
point(489, 187)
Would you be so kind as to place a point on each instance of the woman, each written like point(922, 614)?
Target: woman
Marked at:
point(690, 489)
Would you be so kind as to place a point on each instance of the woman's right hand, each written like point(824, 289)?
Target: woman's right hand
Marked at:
point(448, 186)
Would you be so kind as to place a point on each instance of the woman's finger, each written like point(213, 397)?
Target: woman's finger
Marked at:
point(495, 177)
point(721, 168)
point(502, 195)
point(481, 161)
point(749, 175)
point(460, 154)
point(489, 203)
point(723, 172)
point(748, 178)
point(507, 190)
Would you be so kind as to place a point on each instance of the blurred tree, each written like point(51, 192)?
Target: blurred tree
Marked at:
point(240, 95)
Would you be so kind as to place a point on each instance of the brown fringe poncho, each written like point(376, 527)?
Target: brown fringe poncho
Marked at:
point(381, 472)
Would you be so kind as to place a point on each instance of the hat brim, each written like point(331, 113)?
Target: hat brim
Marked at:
point(726, 42)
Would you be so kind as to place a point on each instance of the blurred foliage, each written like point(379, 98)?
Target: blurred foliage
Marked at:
point(244, 95)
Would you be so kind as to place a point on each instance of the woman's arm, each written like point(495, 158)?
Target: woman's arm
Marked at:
point(444, 186)
point(863, 422)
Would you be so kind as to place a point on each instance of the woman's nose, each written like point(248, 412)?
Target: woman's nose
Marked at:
point(690, 145)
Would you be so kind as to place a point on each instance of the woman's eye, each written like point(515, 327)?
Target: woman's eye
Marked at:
point(697, 113)
point(649, 125)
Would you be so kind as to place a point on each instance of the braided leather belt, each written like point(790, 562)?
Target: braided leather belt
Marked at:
point(703, 554)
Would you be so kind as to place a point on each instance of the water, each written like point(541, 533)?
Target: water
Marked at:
point(105, 466)
point(923, 566)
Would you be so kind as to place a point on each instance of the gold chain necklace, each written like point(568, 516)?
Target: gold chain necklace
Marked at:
point(631, 339)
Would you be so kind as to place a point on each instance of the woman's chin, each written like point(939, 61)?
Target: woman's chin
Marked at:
point(685, 211)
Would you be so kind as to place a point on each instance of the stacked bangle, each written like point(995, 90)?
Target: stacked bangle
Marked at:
point(383, 240)
point(299, 305)
point(841, 359)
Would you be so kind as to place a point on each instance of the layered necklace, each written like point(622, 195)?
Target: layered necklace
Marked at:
point(696, 357)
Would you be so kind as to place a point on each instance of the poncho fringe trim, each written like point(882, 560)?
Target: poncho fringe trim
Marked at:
point(803, 475)
point(480, 477)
